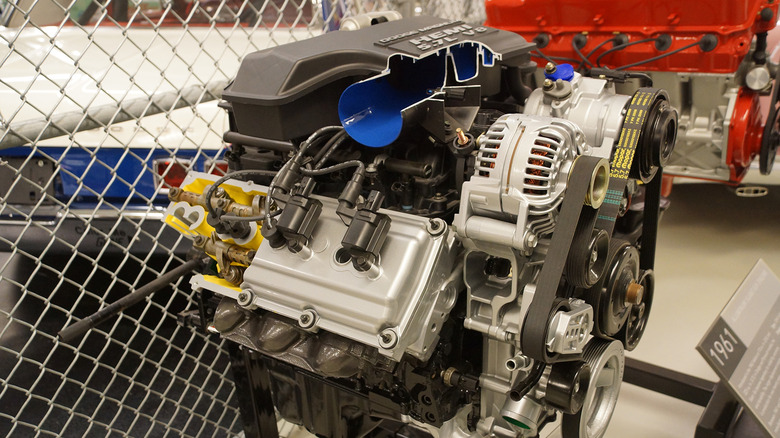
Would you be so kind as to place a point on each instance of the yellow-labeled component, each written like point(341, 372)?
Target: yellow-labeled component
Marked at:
point(187, 211)
point(234, 190)
point(229, 253)
point(221, 282)
point(188, 219)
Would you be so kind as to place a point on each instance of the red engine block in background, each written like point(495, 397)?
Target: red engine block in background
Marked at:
point(733, 23)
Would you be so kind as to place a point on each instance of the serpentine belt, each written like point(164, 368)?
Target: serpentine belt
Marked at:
point(623, 158)
point(574, 215)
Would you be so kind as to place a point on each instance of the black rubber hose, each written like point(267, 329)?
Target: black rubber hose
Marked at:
point(621, 47)
point(538, 53)
point(309, 141)
point(759, 54)
point(323, 155)
point(656, 58)
point(414, 168)
point(78, 329)
point(336, 167)
point(579, 53)
point(263, 143)
point(533, 378)
point(210, 192)
point(593, 51)
point(645, 79)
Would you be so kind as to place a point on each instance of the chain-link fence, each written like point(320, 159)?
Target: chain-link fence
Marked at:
point(104, 105)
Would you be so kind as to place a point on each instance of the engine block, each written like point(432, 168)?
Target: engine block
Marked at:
point(413, 233)
point(397, 307)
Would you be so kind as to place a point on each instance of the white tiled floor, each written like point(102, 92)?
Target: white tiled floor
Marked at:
point(709, 240)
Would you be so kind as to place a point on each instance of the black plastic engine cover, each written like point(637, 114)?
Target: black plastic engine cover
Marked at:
point(289, 91)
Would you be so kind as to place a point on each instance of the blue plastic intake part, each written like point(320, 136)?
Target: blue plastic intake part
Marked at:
point(563, 71)
point(372, 111)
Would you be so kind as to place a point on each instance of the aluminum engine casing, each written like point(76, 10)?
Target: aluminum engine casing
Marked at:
point(591, 104)
point(411, 295)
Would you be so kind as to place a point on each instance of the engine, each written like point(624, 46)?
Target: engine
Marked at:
point(712, 58)
point(412, 235)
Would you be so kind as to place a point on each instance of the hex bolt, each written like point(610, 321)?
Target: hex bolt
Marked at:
point(634, 293)
point(548, 84)
point(307, 319)
point(550, 68)
point(220, 192)
point(233, 274)
point(531, 240)
point(436, 227)
point(388, 339)
point(174, 193)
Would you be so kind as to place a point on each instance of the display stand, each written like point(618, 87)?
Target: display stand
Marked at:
point(742, 346)
point(723, 417)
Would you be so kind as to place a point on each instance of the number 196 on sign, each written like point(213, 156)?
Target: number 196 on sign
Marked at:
point(723, 346)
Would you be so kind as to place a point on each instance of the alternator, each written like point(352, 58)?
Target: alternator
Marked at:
point(521, 170)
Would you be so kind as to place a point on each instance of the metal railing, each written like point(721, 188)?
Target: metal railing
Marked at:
point(103, 103)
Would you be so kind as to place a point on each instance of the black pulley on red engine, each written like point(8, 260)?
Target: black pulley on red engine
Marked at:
point(657, 138)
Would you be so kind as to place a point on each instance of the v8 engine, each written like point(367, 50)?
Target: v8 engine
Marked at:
point(415, 236)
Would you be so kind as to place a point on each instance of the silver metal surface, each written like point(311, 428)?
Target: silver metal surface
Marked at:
point(499, 210)
point(322, 352)
point(606, 360)
point(524, 413)
point(705, 103)
point(363, 21)
point(144, 375)
point(592, 105)
point(412, 295)
point(569, 331)
point(327, 317)
point(758, 78)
